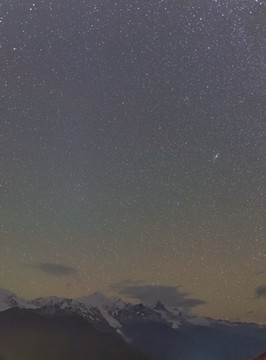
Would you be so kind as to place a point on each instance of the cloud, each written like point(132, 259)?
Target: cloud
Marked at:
point(260, 291)
point(169, 295)
point(56, 269)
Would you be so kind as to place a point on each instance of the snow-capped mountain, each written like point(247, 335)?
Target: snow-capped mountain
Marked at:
point(119, 313)
point(98, 307)
point(177, 335)
point(9, 300)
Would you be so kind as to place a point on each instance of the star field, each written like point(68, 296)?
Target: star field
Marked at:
point(132, 140)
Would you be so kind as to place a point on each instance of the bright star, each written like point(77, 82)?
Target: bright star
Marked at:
point(216, 157)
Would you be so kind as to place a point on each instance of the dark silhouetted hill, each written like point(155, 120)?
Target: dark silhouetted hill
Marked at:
point(27, 335)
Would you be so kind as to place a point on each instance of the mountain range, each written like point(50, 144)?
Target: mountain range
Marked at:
point(96, 327)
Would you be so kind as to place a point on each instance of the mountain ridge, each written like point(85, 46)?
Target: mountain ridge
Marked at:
point(154, 331)
point(107, 305)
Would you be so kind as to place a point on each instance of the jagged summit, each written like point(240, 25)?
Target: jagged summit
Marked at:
point(95, 307)
point(9, 300)
point(159, 305)
point(115, 311)
point(140, 324)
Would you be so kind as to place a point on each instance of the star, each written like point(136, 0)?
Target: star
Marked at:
point(216, 156)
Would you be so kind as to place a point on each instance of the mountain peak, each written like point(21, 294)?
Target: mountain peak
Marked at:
point(160, 306)
point(4, 292)
point(9, 299)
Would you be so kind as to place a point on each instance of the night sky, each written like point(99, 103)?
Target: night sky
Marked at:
point(132, 145)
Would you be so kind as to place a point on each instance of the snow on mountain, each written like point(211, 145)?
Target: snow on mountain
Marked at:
point(112, 312)
point(44, 301)
point(196, 320)
point(97, 308)
point(140, 313)
point(138, 324)
point(117, 312)
point(51, 305)
point(104, 304)
point(172, 316)
point(8, 300)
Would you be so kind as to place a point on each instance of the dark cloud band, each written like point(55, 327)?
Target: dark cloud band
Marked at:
point(56, 269)
point(169, 295)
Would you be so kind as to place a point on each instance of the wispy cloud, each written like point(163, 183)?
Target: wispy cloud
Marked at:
point(169, 295)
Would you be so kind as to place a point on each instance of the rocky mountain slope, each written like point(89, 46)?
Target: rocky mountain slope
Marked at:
point(91, 325)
